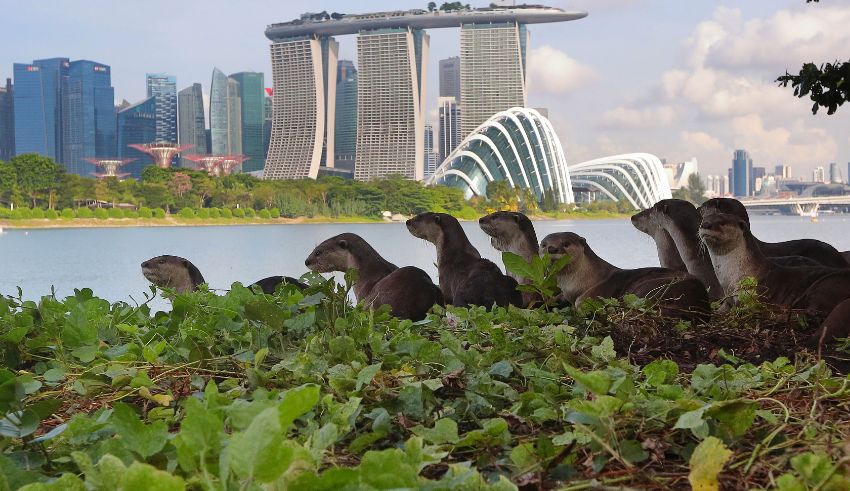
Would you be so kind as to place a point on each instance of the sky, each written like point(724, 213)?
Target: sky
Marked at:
point(676, 78)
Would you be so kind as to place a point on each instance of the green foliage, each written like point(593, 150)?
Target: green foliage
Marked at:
point(145, 212)
point(50, 214)
point(187, 213)
point(827, 85)
point(35, 213)
point(215, 213)
point(203, 213)
point(226, 213)
point(158, 213)
point(264, 214)
point(238, 213)
point(115, 213)
point(85, 213)
point(101, 213)
point(68, 213)
point(541, 274)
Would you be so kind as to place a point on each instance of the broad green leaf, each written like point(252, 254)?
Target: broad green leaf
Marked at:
point(321, 439)
point(141, 477)
point(259, 451)
point(444, 431)
point(660, 372)
point(200, 434)
point(297, 402)
point(66, 482)
point(596, 381)
point(604, 351)
point(706, 462)
point(145, 440)
point(517, 265)
point(735, 417)
point(366, 374)
point(54, 375)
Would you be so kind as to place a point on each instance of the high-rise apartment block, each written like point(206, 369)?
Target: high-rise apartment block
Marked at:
point(164, 88)
point(492, 71)
point(191, 121)
point(449, 114)
point(390, 103)
point(345, 127)
point(450, 77)
point(252, 115)
point(835, 174)
point(7, 121)
point(431, 156)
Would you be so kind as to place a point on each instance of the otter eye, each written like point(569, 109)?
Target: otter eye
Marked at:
point(161, 261)
point(552, 250)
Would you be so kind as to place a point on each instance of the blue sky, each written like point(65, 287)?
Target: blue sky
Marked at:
point(677, 78)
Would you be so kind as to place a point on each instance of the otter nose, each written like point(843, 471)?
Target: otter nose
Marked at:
point(307, 262)
point(146, 264)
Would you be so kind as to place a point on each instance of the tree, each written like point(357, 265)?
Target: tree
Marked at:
point(35, 174)
point(828, 85)
point(180, 184)
point(432, 6)
point(693, 192)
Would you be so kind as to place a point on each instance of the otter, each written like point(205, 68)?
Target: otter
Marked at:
point(821, 292)
point(680, 220)
point(818, 251)
point(408, 291)
point(513, 232)
point(180, 274)
point(465, 277)
point(676, 293)
point(668, 255)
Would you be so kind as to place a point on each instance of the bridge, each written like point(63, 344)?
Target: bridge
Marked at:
point(801, 205)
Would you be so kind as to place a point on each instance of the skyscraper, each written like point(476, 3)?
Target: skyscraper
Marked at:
point(7, 121)
point(449, 114)
point(268, 105)
point(741, 174)
point(492, 71)
point(136, 124)
point(390, 103)
point(89, 117)
point(234, 118)
point(304, 109)
point(164, 88)
point(39, 111)
point(819, 174)
point(191, 123)
point(252, 98)
point(218, 113)
point(430, 157)
point(450, 77)
point(835, 173)
point(345, 126)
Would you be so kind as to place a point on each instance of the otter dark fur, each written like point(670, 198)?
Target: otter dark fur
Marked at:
point(465, 278)
point(668, 255)
point(816, 250)
point(820, 291)
point(513, 232)
point(179, 273)
point(408, 291)
point(677, 294)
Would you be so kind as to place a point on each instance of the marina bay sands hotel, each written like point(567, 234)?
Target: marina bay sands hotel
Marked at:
point(392, 52)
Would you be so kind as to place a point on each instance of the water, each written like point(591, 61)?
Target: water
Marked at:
point(107, 260)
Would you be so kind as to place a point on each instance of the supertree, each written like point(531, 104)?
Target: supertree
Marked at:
point(110, 167)
point(162, 153)
point(216, 165)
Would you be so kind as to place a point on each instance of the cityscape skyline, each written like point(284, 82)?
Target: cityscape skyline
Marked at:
point(654, 113)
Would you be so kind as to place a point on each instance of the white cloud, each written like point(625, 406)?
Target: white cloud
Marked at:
point(700, 140)
point(626, 117)
point(553, 71)
point(800, 144)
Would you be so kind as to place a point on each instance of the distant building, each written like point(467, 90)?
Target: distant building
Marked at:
point(192, 122)
point(819, 174)
point(390, 103)
point(835, 173)
point(164, 88)
point(218, 113)
point(492, 71)
point(431, 157)
point(679, 174)
point(757, 176)
point(723, 186)
point(268, 106)
point(89, 116)
point(450, 77)
point(136, 124)
point(38, 100)
point(783, 172)
point(449, 113)
point(7, 121)
point(741, 180)
point(345, 127)
point(252, 100)
point(234, 117)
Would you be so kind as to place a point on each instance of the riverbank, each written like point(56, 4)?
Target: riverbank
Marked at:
point(177, 221)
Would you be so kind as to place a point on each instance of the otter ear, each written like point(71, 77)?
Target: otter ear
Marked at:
point(437, 218)
point(185, 262)
point(343, 243)
point(516, 217)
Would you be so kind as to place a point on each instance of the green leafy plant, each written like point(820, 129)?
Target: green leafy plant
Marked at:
point(541, 274)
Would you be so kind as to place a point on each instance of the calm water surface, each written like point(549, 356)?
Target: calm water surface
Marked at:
point(107, 260)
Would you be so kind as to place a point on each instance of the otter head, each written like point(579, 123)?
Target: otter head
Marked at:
point(564, 243)
point(644, 222)
point(172, 272)
point(723, 232)
point(508, 231)
point(729, 206)
point(333, 254)
point(677, 213)
point(431, 226)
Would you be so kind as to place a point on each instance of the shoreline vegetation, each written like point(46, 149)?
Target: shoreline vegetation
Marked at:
point(302, 390)
point(180, 221)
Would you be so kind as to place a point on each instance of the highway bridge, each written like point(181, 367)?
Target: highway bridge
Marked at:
point(800, 205)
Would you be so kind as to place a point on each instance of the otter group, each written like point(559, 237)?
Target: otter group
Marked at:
point(703, 252)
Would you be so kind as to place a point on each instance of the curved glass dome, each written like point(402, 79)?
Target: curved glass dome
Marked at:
point(520, 146)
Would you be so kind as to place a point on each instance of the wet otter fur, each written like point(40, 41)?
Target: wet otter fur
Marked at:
point(408, 291)
point(513, 232)
point(668, 255)
point(175, 272)
point(821, 292)
point(819, 252)
point(677, 294)
point(465, 278)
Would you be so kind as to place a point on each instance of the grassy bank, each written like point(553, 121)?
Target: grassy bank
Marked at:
point(304, 391)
